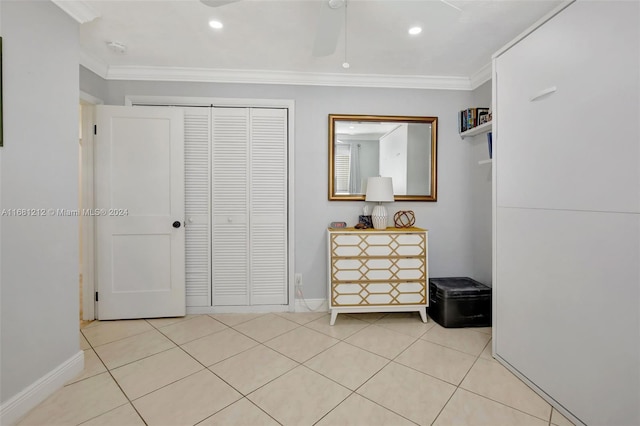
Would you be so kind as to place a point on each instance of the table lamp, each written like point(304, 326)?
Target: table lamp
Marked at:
point(379, 190)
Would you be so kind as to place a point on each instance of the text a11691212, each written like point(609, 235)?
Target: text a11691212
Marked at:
point(35, 212)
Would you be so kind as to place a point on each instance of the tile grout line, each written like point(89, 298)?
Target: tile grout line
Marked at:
point(233, 403)
point(504, 405)
point(480, 395)
point(117, 384)
point(331, 410)
point(192, 340)
point(116, 340)
point(458, 385)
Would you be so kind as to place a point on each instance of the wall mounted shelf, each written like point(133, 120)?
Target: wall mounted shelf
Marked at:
point(483, 128)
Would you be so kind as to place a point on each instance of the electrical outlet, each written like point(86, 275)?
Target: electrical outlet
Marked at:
point(298, 280)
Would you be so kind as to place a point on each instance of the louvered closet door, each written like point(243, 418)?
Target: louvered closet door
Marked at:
point(197, 131)
point(268, 206)
point(230, 206)
point(249, 206)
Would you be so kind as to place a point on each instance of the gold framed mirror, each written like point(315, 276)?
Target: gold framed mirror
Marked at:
point(401, 147)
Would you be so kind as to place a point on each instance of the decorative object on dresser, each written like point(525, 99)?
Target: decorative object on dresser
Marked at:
point(378, 271)
point(365, 221)
point(338, 225)
point(380, 190)
point(404, 219)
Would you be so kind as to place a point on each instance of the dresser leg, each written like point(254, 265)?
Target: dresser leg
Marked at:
point(423, 314)
point(334, 316)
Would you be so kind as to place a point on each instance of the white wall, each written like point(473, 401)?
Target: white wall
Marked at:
point(480, 185)
point(38, 169)
point(369, 158)
point(418, 171)
point(449, 220)
point(393, 158)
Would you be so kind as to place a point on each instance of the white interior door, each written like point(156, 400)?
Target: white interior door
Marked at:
point(139, 193)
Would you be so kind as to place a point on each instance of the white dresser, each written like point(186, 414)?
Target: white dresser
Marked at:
point(377, 270)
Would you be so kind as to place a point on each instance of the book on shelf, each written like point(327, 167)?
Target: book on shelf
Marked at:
point(472, 117)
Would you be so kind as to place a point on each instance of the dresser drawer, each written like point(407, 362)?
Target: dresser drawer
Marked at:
point(382, 244)
point(379, 293)
point(374, 269)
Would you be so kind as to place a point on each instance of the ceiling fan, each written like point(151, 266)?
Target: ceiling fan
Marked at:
point(331, 19)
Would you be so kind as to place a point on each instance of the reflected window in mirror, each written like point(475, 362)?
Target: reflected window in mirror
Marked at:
point(401, 147)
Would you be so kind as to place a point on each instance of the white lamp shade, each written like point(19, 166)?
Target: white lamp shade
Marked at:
point(379, 189)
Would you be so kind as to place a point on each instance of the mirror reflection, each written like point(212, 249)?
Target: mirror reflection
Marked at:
point(400, 147)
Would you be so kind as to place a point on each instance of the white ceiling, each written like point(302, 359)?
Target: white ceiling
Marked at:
point(272, 40)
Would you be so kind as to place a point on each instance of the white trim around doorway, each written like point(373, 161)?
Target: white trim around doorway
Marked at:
point(87, 105)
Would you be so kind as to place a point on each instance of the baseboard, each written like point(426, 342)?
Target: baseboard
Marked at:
point(257, 309)
point(555, 404)
point(13, 409)
point(311, 305)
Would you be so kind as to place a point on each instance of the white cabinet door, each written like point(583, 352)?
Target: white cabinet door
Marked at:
point(139, 184)
point(567, 222)
point(569, 92)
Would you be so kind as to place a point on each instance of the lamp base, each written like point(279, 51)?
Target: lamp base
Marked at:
point(379, 217)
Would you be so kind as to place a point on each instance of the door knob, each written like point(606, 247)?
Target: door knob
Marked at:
point(176, 224)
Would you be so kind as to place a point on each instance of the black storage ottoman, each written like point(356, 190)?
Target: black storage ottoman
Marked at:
point(459, 302)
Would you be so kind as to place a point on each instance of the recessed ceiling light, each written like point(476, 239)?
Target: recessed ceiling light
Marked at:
point(415, 30)
point(215, 24)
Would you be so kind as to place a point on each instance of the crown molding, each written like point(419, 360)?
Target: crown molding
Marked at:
point(78, 10)
point(481, 76)
point(207, 75)
point(96, 66)
point(286, 77)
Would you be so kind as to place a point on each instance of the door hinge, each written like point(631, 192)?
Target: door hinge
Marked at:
point(95, 129)
point(96, 296)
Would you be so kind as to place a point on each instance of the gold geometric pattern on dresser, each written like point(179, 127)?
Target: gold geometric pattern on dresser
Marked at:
point(378, 245)
point(386, 269)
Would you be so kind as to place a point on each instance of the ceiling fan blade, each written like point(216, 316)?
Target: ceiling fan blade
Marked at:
point(217, 3)
point(450, 4)
point(330, 22)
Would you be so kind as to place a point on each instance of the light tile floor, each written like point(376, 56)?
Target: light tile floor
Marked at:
point(290, 369)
